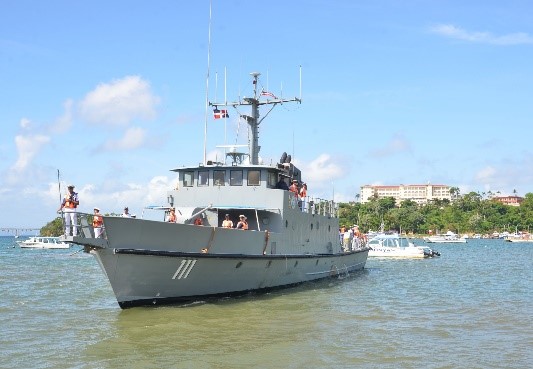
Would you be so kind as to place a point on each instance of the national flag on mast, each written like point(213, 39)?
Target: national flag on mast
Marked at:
point(222, 113)
point(270, 94)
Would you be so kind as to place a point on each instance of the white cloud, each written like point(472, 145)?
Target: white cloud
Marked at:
point(133, 138)
point(25, 123)
point(27, 148)
point(449, 30)
point(64, 122)
point(322, 170)
point(119, 102)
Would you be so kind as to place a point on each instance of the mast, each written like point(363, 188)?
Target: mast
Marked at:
point(253, 119)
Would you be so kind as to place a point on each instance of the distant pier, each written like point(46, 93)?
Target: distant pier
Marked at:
point(6, 231)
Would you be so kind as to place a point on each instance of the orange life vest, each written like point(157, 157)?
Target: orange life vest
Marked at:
point(97, 221)
point(172, 217)
point(303, 193)
point(69, 204)
point(294, 188)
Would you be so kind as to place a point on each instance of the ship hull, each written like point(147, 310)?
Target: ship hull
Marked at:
point(150, 277)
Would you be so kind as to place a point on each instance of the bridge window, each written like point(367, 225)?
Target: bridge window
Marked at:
point(219, 177)
point(253, 177)
point(188, 179)
point(235, 178)
point(203, 178)
point(272, 179)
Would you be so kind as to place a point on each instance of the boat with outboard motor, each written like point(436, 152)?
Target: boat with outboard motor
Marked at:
point(396, 246)
point(289, 240)
point(39, 242)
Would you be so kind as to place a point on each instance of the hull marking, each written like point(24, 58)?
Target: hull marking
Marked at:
point(184, 269)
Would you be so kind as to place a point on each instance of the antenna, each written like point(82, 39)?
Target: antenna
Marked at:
point(207, 84)
point(300, 83)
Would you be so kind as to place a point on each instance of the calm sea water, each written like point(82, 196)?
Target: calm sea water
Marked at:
point(470, 308)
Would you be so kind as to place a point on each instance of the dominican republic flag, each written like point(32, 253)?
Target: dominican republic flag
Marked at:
point(270, 94)
point(223, 113)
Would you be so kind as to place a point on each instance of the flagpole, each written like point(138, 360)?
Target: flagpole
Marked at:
point(225, 102)
point(207, 84)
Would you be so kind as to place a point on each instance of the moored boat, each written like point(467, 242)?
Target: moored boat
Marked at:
point(289, 240)
point(38, 242)
point(396, 246)
point(448, 237)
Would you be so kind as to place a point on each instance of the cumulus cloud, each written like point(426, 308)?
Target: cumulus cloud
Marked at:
point(322, 170)
point(133, 138)
point(119, 102)
point(451, 31)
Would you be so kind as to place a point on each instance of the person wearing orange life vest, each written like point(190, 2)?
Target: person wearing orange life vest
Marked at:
point(172, 215)
point(68, 207)
point(98, 221)
point(302, 195)
point(294, 187)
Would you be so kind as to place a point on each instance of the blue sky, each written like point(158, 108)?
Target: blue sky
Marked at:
point(112, 94)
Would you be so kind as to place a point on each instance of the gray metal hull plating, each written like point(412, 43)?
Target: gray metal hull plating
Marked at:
point(150, 262)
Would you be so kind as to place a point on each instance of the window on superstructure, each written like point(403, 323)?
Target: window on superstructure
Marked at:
point(272, 179)
point(235, 177)
point(253, 177)
point(203, 178)
point(188, 179)
point(219, 177)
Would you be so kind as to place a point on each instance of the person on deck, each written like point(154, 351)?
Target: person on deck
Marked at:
point(302, 195)
point(126, 213)
point(241, 223)
point(282, 185)
point(68, 206)
point(294, 187)
point(172, 215)
point(198, 221)
point(98, 221)
point(227, 222)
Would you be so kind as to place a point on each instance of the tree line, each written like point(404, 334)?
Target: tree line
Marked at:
point(469, 213)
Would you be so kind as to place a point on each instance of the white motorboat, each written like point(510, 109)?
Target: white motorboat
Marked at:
point(396, 246)
point(38, 242)
point(448, 237)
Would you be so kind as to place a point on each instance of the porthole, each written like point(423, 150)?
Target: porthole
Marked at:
point(311, 225)
point(286, 224)
point(329, 228)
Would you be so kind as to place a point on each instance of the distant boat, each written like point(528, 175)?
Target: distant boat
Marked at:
point(524, 237)
point(448, 237)
point(396, 246)
point(38, 242)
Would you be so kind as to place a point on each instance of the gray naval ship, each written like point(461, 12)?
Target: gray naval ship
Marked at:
point(289, 240)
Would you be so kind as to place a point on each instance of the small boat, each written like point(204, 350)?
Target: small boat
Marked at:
point(38, 242)
point(396, 246)
point(522, 237)
point(448, 237)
